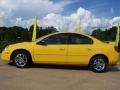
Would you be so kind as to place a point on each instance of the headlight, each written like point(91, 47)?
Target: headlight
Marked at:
point(5, 48)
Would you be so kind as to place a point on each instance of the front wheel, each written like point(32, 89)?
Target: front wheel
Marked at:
point(21, 59)
point(98, 64)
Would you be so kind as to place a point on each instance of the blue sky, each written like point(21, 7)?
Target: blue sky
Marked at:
point(100, 8)
point(62, 14)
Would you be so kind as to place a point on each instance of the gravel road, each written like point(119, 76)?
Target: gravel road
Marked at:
point(44, 77)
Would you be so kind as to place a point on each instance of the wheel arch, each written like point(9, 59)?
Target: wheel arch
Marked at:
point(99, 55)
point(24, 50)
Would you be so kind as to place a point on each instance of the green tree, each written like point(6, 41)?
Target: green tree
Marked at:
point(106, 35)
point(41, 31)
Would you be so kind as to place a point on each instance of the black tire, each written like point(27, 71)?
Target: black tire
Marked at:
point(21, 59)
point(98, 64)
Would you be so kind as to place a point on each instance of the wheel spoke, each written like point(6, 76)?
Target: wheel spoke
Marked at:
point(99, 64)
point(21, 60)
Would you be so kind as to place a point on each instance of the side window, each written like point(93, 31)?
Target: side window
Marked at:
point(80, 39)
point(56, 39)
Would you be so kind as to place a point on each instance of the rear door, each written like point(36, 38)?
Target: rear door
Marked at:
point(79, 49)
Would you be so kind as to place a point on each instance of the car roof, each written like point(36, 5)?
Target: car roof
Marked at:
point(64, 33)
point(71, 33)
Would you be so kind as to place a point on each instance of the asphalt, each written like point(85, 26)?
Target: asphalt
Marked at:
point(48, 77)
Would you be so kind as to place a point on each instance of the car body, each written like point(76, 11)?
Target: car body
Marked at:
point(63, 48)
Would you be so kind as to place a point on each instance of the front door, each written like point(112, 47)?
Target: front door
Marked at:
point(52, 49)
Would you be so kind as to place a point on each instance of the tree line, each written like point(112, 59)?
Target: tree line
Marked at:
point(105, 35)
point(9, 35)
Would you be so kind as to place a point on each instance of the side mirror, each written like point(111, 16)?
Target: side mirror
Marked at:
point(42, 43)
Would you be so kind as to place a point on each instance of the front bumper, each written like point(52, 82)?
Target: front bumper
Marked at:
point(5, 56)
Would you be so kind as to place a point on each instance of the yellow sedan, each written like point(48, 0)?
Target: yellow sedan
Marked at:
point(63, 48)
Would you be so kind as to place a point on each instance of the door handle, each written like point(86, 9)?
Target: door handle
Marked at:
point(89, 49)
point(61, 49)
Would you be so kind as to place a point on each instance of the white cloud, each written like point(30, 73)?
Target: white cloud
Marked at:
point(24, 23)
point(30, 8)
point(69, 23)
point(87, 19)
point(115, 21)
point(21, 13)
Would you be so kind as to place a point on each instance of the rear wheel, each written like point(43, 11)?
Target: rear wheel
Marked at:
point(98, 64)
point(21, 59)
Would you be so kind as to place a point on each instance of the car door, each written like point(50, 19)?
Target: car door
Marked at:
point(52, 49)
point(79, 49)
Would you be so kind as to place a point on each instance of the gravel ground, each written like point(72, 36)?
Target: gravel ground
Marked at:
point(46, 77)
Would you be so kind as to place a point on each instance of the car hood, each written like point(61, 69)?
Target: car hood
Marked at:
point(21, 45)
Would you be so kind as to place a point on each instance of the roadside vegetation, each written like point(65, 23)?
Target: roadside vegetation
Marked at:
point(15, 34)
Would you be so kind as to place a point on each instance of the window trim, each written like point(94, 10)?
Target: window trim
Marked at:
point(80, 43)
point(55, 35)
point(68, 39)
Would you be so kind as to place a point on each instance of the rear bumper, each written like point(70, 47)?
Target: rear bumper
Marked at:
point(114, 59)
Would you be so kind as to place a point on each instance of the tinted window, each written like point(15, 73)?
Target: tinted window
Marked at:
point(80, 39)
point(56, 39)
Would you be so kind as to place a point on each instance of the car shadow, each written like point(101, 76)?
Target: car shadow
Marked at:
point(69, 67)
point(65, 67)
point(53, 66)
point(114, 68)
point(74, 67)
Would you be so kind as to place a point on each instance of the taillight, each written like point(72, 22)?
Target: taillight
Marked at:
point(117, 48)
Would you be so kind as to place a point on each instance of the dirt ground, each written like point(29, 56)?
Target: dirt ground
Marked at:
point(44, 77)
